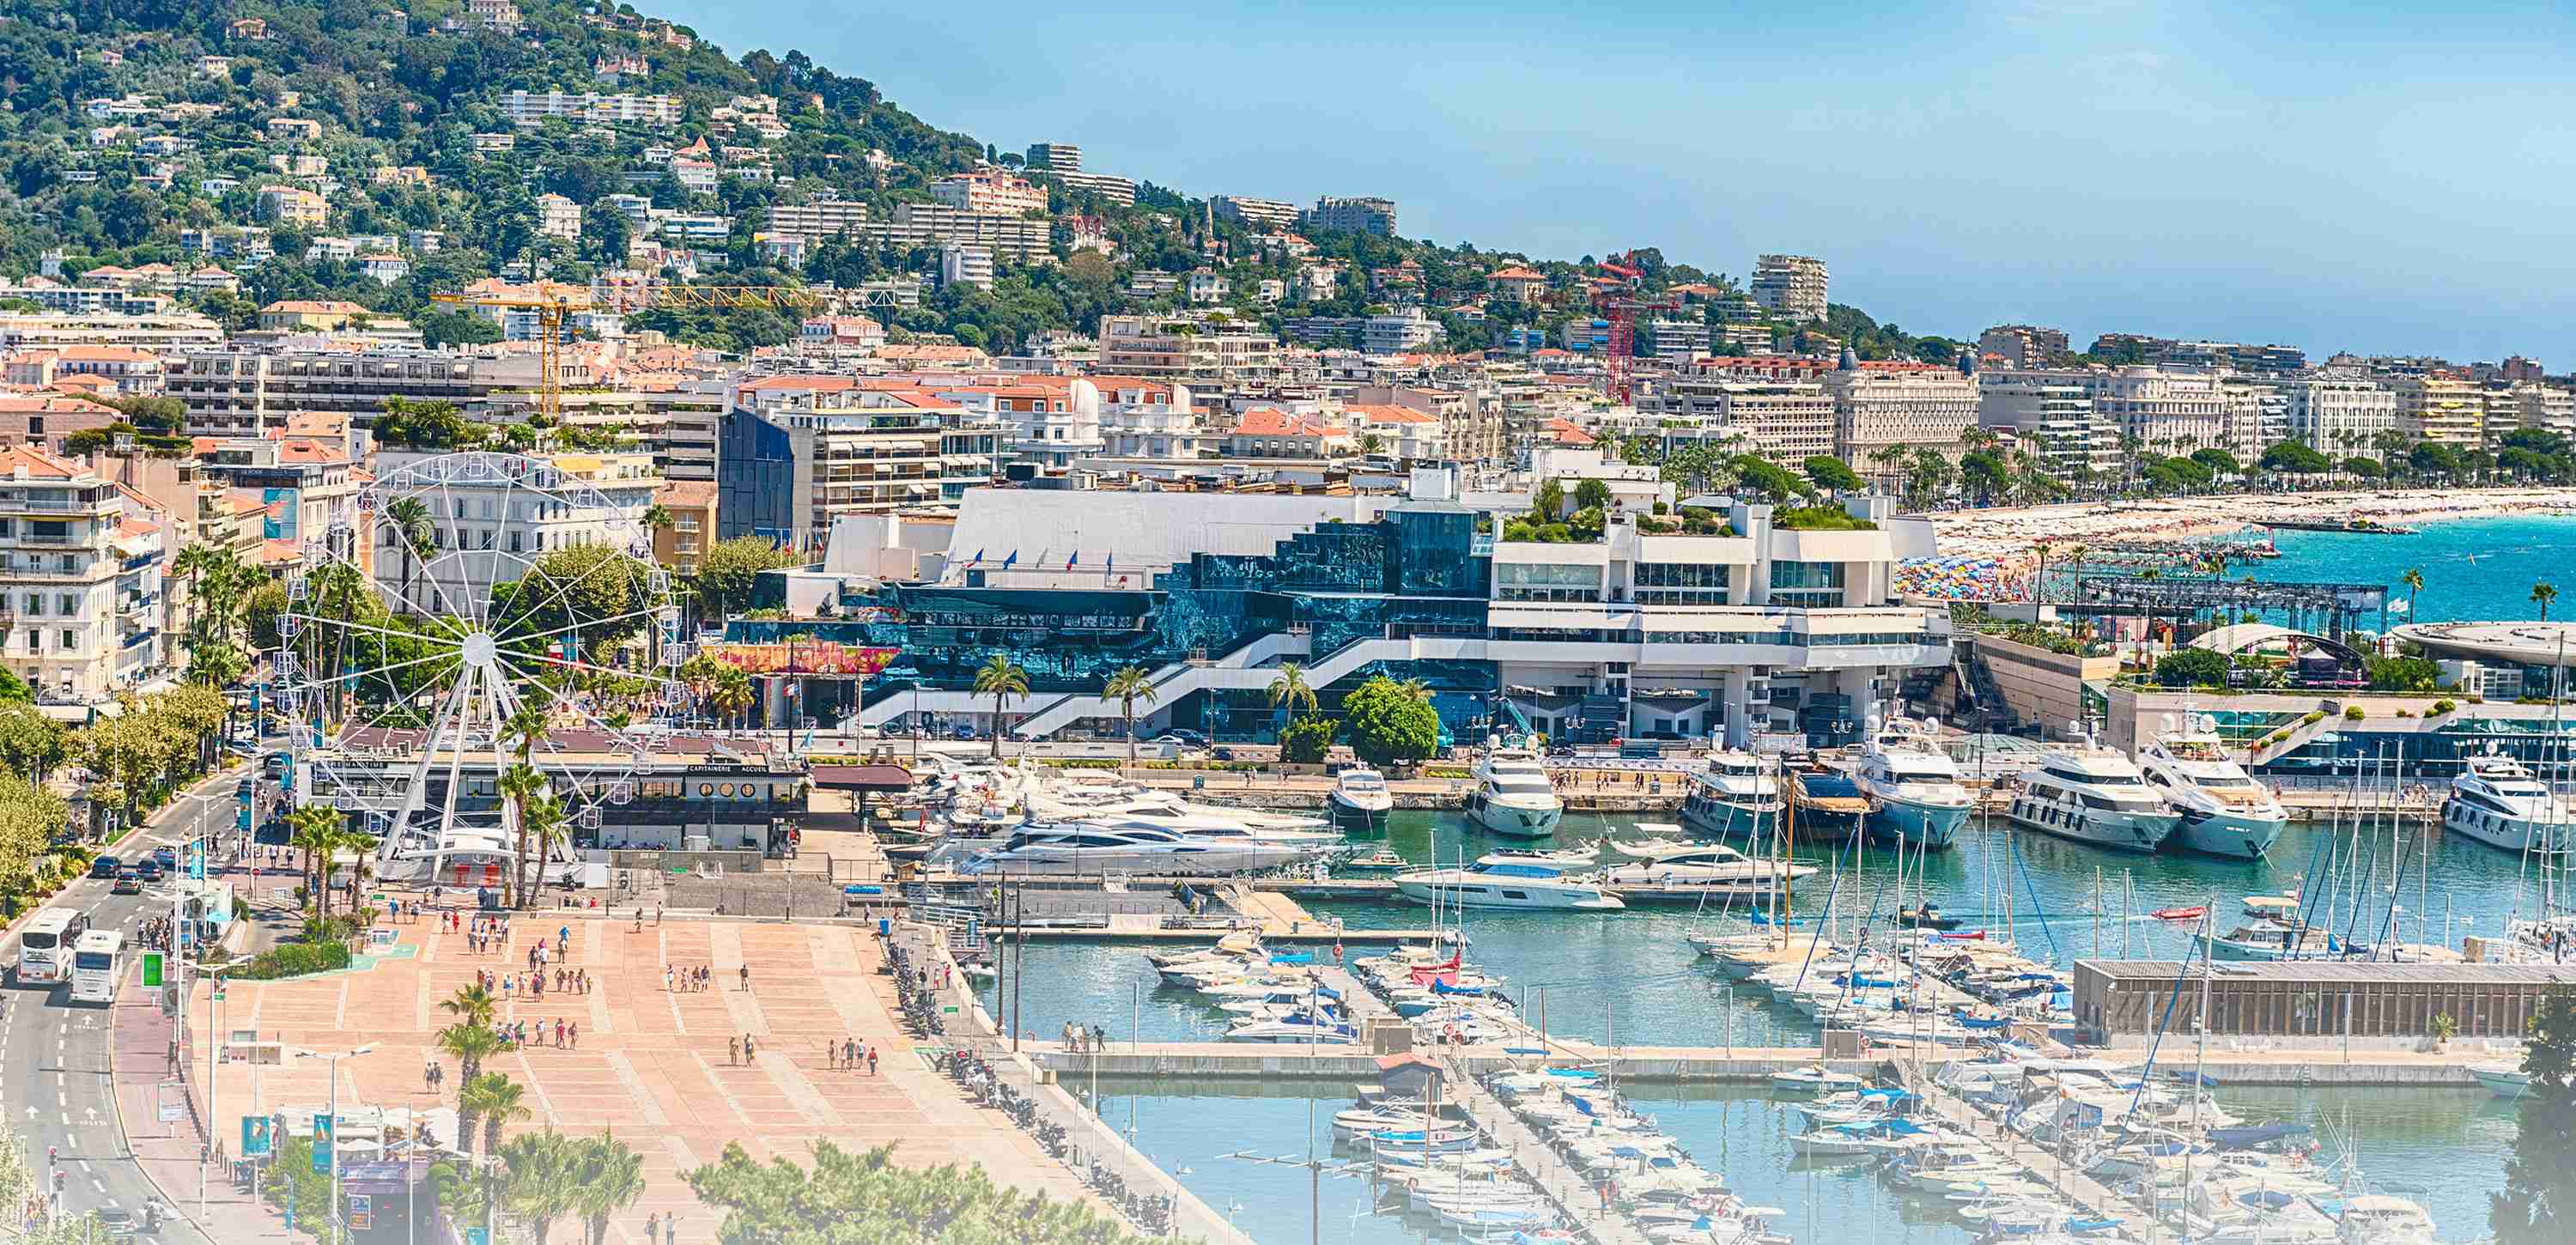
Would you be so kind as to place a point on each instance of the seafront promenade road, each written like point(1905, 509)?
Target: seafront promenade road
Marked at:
point(652, 1065)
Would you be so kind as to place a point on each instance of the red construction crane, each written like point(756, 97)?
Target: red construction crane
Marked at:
point(1620, 307)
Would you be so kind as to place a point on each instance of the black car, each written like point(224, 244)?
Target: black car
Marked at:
point(1186, 739)
point(149, 870)
point(105, 867)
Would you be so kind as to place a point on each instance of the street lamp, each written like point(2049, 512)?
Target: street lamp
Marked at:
point(333, 1214)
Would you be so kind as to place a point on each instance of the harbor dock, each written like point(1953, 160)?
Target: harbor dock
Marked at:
point(1539, 1163)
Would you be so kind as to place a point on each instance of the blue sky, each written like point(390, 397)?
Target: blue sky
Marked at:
point(2331, 176)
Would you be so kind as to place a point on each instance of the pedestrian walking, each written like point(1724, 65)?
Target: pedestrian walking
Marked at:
point(733, 1050)
point(872, 1061)
point(746, 976)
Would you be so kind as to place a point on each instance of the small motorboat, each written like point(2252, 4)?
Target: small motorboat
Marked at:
point(1927, 916)
point(2505, 1080)
point(1815, 1078)
point(2192, 913)
point(1379, 861)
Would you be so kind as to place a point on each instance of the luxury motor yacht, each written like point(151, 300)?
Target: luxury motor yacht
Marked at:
point(1913, 788)
point(2094, 796)
point(2497, 802)
point(1704, 864)
point(1513, 795)
point(1736, 796)
point(1518, 885)
point(2225, 812)
point(1091, 847)
point(1360, 801)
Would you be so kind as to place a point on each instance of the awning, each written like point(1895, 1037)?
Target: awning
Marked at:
point(862, 777)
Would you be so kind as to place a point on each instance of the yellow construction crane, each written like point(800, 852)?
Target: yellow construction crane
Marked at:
point(552, 302)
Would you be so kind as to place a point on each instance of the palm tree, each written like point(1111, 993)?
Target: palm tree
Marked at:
point(472, 1004)
point(544, 825)
point(658, 516)
point(1002, 681)
point(544, 1173)
point(2542, 594)
point(315, 830)
point(2039, 575)
point(472, 1041)
point(732, 695)
point(610, 1179)
point(520, 785)
point(2413, 580)
point(409, 518)
point(1371, 443)
point(497, 1101)
point(1129, 686)
point(1290, 689)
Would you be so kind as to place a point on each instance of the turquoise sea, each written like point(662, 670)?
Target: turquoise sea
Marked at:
point(2473, 568)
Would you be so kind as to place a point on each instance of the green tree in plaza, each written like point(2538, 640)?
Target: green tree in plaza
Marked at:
point(863, 1198)
point(1130, 686)
point(1832, 474)
point(471, 1042)
point(1004, 682)
point(730, 568)
point(608, 1177)
point(542, 1177)
point(1290, 690)
point(1306, 739)
point(2538, 1203)
point(314, 829)
point(521, 784)
point(1390, 723)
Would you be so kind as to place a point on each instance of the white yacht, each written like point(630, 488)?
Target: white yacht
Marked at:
point(1360, 801)
point(1736, 796)
point(2497, 802)
point(2094, 796)
point(1704, 864)
point(1507, 886)
point(2225, 812)
point(2377, 1219)
point(1914, 790)
point(1513, 795)
point(2266, 939)
point(1168, 812)
point(1091, 847)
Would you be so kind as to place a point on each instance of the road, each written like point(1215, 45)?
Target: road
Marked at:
point(54, 1053)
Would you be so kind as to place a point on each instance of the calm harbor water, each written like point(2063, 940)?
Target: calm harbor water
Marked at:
point(1630, 978)
point(2442, 1147)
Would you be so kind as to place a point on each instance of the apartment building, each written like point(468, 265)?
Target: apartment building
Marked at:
point(808, 456)
point(306, 484)
point(233, 392)
point(1198, 350)
point(294, 206)
point(2442, 408)
point(1353, 214)
point(530, 109)
point(1528, 285)
point(2024, 345)
point(1403, 332)
point(47, 421)
point(1110, 186)
point(818, 220)
point(1782, 420)
point(573, 500)
point(2337, 415)
point(2053, 416)
point(1470, 427)
point(990, 190)
point(81, 562)
point(1148, 419)
point(1254, 213)
point(167, 332)
point(558, 217)
point(1672, 340)
point(966, 265)
point(1883, 408)
point(2542, 406)
point(2169, 412)
point(692, 507)
point(1019, 239)
point(1790, 286)
point(1055, 157)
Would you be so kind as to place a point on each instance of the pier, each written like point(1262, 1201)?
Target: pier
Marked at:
point(1538, 1162)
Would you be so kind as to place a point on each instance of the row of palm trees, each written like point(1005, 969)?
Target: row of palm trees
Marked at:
point(1132, 686)
point(537, 1177)
point(322, 833)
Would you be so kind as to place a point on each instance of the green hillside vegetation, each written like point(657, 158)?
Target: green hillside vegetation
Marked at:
point(389, 87)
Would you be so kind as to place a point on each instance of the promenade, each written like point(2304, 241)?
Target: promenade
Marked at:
point(656, 1067)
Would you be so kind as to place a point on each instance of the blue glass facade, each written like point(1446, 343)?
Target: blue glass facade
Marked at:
point(1414, 572)
point(755, 479)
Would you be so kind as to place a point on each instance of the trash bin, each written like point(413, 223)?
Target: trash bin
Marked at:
point(885, 928)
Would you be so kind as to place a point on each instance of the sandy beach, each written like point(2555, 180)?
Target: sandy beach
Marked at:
point(1989, 554)
point(2011, 533)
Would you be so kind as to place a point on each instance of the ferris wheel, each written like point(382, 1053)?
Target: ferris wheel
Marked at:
point(511, 592)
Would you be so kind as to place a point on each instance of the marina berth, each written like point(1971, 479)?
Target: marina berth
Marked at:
point(2224, 811)
point(2096, 797)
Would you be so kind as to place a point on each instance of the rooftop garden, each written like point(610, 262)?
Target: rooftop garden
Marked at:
point(1818, 519)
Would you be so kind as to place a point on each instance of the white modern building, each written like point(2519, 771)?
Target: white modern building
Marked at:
point(81, 561)
point(2339, 415)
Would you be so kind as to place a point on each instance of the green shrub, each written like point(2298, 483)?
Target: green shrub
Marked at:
point(2441, 707)
point(294, 959)
point(1307, 740)
point(2314, 718)
point(2353, 713)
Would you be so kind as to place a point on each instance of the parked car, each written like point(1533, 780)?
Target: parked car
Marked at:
point(1186, 739)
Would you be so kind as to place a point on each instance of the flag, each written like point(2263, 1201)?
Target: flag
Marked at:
point(1071, 558)
point(2397, 607)
point(977, 559)
point(1009, 561)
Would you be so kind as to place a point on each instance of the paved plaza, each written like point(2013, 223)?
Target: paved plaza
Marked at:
point(652, 1064)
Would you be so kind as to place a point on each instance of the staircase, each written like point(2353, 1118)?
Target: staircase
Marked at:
point(1235, 671)
point(2298, 734)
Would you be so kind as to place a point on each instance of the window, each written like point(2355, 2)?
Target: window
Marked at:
point(1807, 584)
point(71, 639)
point(1681, 583)
point(1546, 581)
point(66, 604)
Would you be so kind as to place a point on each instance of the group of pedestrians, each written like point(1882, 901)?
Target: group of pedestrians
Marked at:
point(851, 1055)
